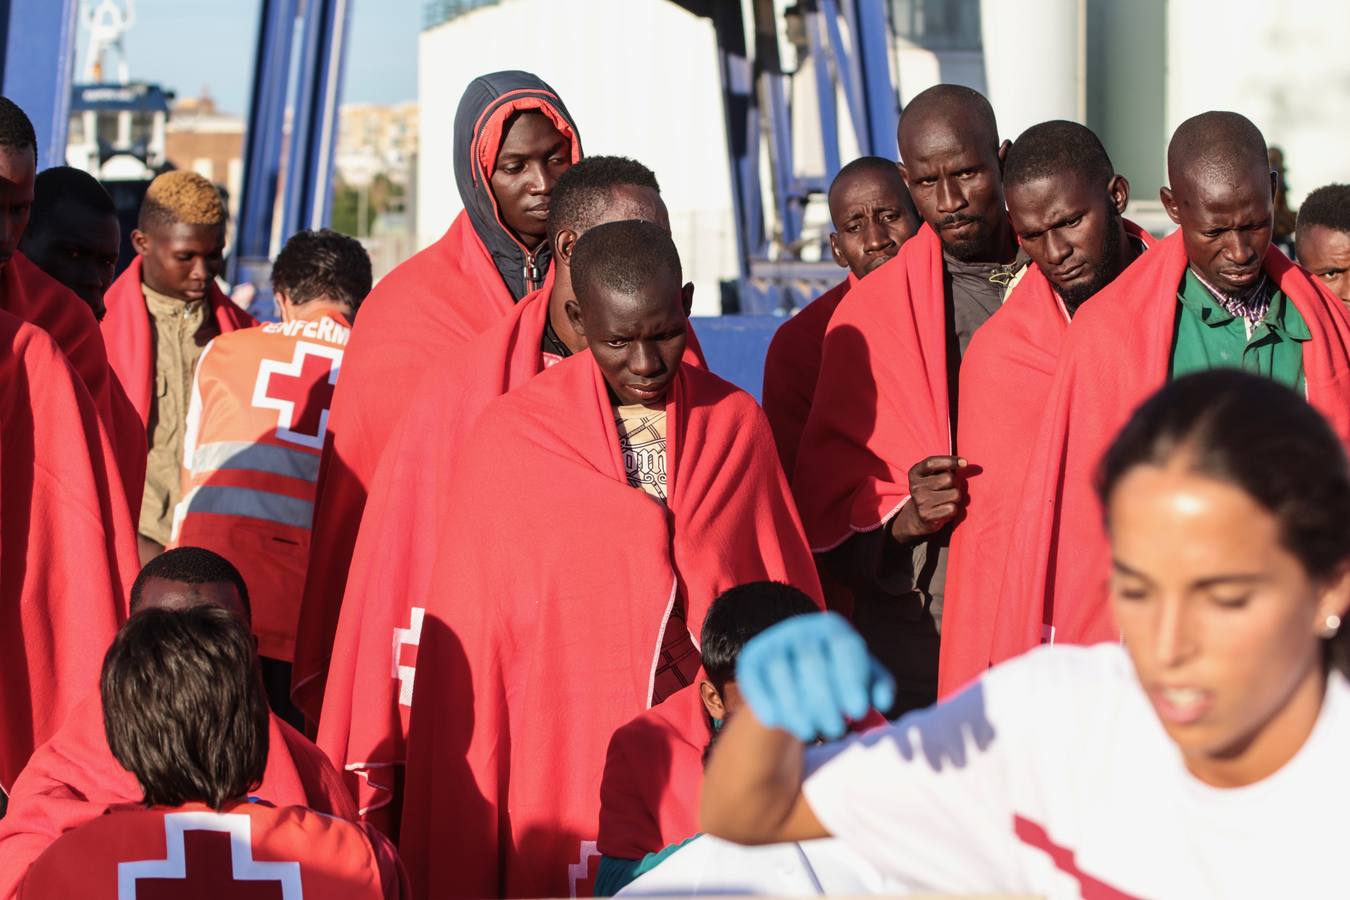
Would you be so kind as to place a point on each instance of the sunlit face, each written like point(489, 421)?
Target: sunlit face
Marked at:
point(872, 219)
point(1226, 223)
point(637, 339)
point(1071, 228)
point(955, 177)
point(532, 156)
point(1221, 621)
point(18, 175)
point(180, 260)
point(1325, 252)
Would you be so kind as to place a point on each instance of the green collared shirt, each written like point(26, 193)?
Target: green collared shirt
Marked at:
point(1209, 337)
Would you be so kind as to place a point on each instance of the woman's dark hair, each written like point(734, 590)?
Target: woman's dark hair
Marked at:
point(184, 708)
point(739, 614)
point(1257, 435)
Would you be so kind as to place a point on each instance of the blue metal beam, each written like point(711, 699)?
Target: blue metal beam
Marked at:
point(264, 140)
point(38, 46)
point(870, 29)
point(309, 170)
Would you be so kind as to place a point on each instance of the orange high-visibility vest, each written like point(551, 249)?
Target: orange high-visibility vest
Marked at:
point(255, 431)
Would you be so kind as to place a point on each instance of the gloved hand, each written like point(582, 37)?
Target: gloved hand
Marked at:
point(811, 675)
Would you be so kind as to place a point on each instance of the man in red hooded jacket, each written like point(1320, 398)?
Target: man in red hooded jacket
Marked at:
point(513, 139)
point(1065, 201)
point(73, 777)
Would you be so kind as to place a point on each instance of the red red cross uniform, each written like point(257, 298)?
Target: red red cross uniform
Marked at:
point(256, 425)
point(248, 851)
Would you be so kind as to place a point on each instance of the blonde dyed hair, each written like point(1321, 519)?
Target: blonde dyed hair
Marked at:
point(182, 196)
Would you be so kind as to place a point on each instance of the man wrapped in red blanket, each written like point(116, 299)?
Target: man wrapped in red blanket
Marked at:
point(596, 513)
point(1215, 293)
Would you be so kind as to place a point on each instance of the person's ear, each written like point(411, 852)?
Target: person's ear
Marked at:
point(1119, 190)
point(904, 175)
point(1274, 184)
point(1169, 202)
point(1003, 154)
point(712, 701)
point(687, 298)
point(140, 241)
point(1334, 600)
point(834, 251)
point(574, 317)
point(564, 242)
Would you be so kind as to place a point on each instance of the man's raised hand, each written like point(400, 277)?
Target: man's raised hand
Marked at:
point(937, 493)
point(811, 675)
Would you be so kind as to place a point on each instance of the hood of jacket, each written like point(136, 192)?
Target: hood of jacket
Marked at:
point(480, 126)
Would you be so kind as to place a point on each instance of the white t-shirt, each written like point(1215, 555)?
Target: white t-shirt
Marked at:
point(709, 867)
point(1053, 776)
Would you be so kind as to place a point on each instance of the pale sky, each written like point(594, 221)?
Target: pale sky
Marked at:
point(185, 44)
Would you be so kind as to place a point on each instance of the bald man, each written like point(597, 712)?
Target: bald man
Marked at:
point(877, 477)
point(1065, 200)
point(1323, 237)
point(1214, 294)
point(162, 312)
point(873, 215)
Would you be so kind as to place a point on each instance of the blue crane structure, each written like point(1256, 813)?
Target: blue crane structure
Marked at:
point(299, 63)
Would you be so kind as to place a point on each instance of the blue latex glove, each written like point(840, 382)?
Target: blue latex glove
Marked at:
point(811, 675)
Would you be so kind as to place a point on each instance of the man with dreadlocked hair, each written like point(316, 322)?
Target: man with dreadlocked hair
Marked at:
point(162, 311)
point(30, 294)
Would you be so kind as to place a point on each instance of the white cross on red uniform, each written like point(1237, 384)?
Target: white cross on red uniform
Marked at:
point(301, 391)
point(209, 857)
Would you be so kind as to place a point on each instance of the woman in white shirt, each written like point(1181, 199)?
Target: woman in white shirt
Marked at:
point(1207, 756)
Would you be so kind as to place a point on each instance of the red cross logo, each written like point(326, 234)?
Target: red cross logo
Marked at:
point(210, 855)
point(407, 637)
point(580, 877)
point(301, 391)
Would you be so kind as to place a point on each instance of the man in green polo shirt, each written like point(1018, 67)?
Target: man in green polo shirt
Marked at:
point(1230, 312)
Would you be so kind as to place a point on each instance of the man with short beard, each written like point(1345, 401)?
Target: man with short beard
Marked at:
point(1065, 201)
point(1214, 294)
point(877, 479)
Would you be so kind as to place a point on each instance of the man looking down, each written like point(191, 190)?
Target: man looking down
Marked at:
point(513, 138)
point(873, 216)
point(162, 312)
point(545, 634)
point(1065, 201)
point(877, 477)
point(369, 686)
point(73, 234)
point(1214, 294)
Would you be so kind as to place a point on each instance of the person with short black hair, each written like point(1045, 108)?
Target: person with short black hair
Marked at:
point(1066, 202)
point(879, 477)
point(73, 233)
point(74, 777)
point(256, 426)
point(162, 312)
point(1209, 743)
point(185, 713)
point(1213, 294)
point(1322, 238)
point(400, 533)
point(669, 491)
point(654, 765)
point(873, 216)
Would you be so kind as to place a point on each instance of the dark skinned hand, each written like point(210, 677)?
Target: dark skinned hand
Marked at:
point(937, 492)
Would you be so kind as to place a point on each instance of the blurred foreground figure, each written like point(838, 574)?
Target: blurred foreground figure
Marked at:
point(184, 712)
point(1210, 744)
